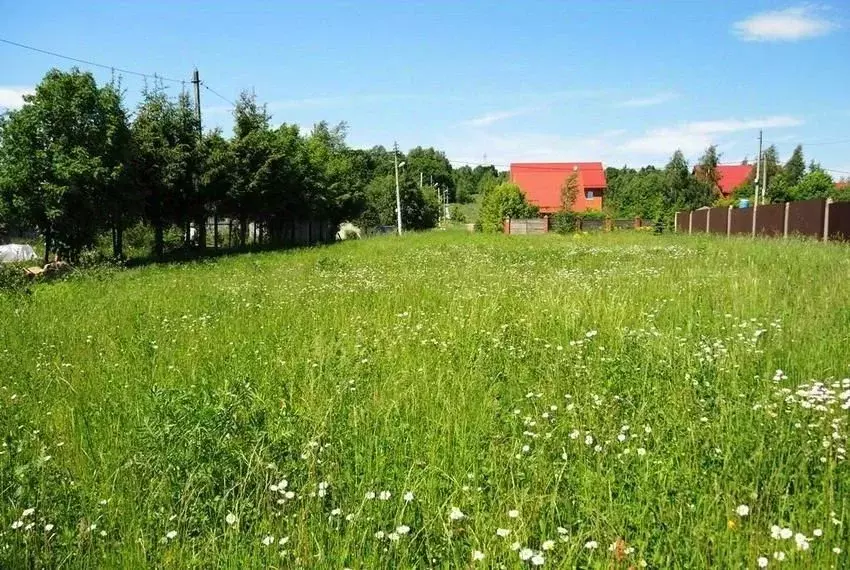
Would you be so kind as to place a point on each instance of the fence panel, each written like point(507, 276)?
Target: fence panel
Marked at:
point(590, 225)
point(741, 222)
point(717, 220)
point(682, 222)
point(698, 221)
point(805, 218)
point(839, 221)
point(770, 220)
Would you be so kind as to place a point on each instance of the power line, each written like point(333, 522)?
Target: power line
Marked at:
point(217, 94)
point(95, 64)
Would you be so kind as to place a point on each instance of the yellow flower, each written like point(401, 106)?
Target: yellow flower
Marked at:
point(730, 524)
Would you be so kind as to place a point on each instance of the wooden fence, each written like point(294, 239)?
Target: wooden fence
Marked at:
point(544, 225)
point(820, 219)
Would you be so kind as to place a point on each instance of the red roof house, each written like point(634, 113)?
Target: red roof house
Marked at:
point(542, 181)
point(730, 176)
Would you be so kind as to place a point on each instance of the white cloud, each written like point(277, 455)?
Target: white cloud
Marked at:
point(651, 101)
point(695, 136)
point(790, 24)
point(490, 118)
point(12, 97)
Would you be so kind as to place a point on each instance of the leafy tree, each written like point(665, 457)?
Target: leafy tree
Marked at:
point(216, 176)
point(165, 161)
point(419, 210)
point(817, 183)
point(62, 158)
point(434, 166)
point(795, 168)
point(569, 192)
point(505, 200)
point(706, 169)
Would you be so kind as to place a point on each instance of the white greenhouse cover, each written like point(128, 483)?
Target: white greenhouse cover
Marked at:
point(16, 252)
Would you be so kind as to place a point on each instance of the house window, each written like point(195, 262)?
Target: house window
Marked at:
point(588, 195)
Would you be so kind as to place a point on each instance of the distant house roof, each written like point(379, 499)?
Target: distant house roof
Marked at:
point(541, 182)
point(730, 176)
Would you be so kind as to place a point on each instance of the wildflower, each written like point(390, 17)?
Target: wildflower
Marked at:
point(762, 562)
point(590, 334)
point(92, 526)
point(647, 429)
point(526, 554)
point(574, 434)
point(801, 541)
point(588, 440)
point(621, 437)
point(562, 531)
point(48, 527)
point(17, 524)
point(548, 545)
point(515, 546)
point(231, 519)
point(513, 513)
point(641, 451)
point(370, 495)
point(385, 495)
point(817, 532)
point(379, 535)
point(779, 555)
point(526, 448)
point(283, 540)
point(289, 494)
point(456, 514)
point(503, 532)
point(742, 510)
point(402, 529)
point(836, 550)
point(267, 540)
point(537, 559)
point(477, 555)
point(774, 532)
point(27, 512)
point(336, 512)
point(408, 496)
point(394, 536)
point(786, 533)
point(103, 533)
point(591, 545)
point(170, 534)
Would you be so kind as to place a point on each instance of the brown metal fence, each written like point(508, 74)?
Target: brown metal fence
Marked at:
point(718, 220)
point(770, 220)
point(820, 219)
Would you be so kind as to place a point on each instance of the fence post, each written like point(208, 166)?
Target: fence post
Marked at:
point(506, 226)
point(638, 222)
point(826, 219)
point(690, 222)
point(785, 223)
point(729, 221)
point(707, 220)
point(546, 224)
point(676, 222)
point(755, 211)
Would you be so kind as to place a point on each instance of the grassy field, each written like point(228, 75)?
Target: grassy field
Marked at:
point(440, 400)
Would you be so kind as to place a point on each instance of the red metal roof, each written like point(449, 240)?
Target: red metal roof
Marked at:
point(732, 175)
point(542, 181)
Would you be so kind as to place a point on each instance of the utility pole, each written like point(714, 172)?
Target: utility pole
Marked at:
point(420, 181)
point(758, 168)
point(201, 220)
point(397, 191)
point(763, 174)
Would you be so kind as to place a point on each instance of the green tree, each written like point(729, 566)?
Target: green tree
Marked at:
point(216, 177)
point(795, 168)
point(817, 183)
point(62, 160)
point(434, 166)
point(505, 200)
point(569, 192)
point(706, 170)
point(165, 161)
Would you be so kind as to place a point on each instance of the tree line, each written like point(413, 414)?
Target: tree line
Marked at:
point(76, 164)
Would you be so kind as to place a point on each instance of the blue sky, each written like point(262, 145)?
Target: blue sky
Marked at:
point(617, 81)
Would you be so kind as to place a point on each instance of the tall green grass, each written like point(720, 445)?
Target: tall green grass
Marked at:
point(619, 392)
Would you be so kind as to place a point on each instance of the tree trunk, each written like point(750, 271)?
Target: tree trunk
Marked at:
point(158, 239)
point(47, 239)
point(215, 229)
point(243, 230)
point(202, 231)
point(118, 247)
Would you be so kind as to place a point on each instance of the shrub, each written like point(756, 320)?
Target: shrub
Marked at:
point(506, 200)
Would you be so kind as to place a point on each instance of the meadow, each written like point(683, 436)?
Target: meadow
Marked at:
point(441, 400)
